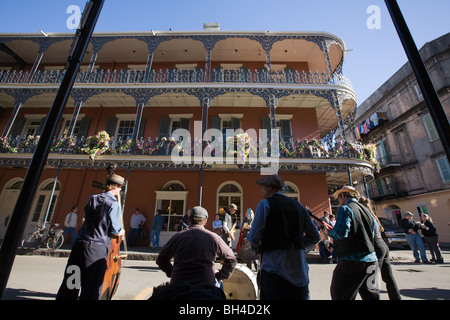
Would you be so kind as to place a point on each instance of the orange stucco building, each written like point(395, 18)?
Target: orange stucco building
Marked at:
point(140, 88)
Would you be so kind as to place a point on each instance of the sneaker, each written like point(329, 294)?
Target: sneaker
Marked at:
point(417, 261)
point(426, 262)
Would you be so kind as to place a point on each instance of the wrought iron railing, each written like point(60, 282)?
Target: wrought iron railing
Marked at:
point(127, 76)
point(103, 144)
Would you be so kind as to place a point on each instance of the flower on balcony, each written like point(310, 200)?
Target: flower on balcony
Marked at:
point(4, 145)
point(30, 142)
point(96, 145)
point(66, 142)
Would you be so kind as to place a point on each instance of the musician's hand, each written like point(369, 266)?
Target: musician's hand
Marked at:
point(121, 232)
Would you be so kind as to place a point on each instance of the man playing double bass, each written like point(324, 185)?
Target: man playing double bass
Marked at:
point(87, 263)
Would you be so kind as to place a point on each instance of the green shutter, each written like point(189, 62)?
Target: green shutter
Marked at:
point(17, 128)
point(141, 129)
point(286, 132)
point(235, 123)
point(216, 123)
point(164, 127)
point(84, 126)
point(184, 123)
point(111, 126)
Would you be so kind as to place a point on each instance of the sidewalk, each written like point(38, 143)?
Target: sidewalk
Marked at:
point(145, 253)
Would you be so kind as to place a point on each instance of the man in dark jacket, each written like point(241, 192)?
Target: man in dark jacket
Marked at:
point(353, 235)
point(413, 237)
point(283, 232)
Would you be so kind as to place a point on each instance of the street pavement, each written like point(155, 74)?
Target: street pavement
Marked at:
point(36, 275)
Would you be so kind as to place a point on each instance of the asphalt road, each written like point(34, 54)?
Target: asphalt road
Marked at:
point(39, 277)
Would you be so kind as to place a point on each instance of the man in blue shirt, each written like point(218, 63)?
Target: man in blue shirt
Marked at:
point(86, 266)
point(157, 225)
point(282, 231)
point(357, 267)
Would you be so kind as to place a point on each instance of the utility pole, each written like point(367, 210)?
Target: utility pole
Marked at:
point(21, 211)
point(429, 93)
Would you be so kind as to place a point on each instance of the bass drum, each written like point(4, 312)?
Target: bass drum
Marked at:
point(241, 285)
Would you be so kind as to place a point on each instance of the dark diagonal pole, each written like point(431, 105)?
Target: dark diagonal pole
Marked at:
point(21, 211)
point(423, 79)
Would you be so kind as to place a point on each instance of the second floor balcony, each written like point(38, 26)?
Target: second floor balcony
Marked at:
point(158, 153)
point(171, 76)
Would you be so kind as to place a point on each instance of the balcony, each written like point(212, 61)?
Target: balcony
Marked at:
point(169, 76)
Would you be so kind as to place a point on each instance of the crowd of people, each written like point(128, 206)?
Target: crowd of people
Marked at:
point(274, 240)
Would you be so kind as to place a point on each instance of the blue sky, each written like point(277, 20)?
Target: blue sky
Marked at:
point(376, 53)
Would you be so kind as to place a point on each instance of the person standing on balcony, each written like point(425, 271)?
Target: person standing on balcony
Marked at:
point(282, 232)
point(411, 229)
point(353, 236)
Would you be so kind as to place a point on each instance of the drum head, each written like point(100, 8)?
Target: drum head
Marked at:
point(241, 285)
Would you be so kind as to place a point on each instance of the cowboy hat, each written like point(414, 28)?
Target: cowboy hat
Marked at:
point(347, 189)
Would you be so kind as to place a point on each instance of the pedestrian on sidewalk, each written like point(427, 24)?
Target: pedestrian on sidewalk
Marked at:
point(136, 221)
point(353, 236)
point(411, 229)
point(431, 238)
point(157, 225)
point(382, 251)
point(70, 224)
point(283, 233)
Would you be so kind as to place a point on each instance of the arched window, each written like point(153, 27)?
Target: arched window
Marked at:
point(291, 190)
point(171, 200)
point(227, 193)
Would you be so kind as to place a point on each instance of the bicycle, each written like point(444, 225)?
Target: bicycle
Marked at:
point(54, 239)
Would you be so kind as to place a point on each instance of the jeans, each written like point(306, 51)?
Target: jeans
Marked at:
point(416, 243)
point(72, 233)
point(274, 287)
point(154, 237)
point(133, 236)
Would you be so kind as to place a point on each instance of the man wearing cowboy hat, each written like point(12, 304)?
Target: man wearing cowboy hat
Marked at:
point(357, 267)
point(102, 218)
point(283, 232)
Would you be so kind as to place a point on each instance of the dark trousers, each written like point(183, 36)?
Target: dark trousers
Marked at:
point(273, 287)
point(351, 277)
point(85, 270)
point(384, 264)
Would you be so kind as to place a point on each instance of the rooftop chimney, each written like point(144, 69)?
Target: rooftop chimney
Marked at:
point(211, 26)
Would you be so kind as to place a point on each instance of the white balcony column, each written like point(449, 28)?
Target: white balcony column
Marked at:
point(73, 121)
point(208, 66)
point(92, 62)
point(273, 103)
point(137, 122)
point(17, 105)
point(148, 66)
point(36, 64)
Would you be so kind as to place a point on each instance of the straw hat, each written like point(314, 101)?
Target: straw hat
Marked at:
point(115, 178)
point(348, 189)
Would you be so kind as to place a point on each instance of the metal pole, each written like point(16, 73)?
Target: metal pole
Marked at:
point(21, 211)
point(423, 79)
